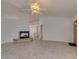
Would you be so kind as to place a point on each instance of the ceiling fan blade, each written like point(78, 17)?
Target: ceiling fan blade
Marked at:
point(25, 9)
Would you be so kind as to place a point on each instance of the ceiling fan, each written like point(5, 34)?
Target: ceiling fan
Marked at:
point(34, 7)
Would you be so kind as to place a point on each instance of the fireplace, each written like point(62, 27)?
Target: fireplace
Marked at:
point(24, 34)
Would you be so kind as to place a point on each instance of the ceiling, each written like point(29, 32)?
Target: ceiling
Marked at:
point(65, 8)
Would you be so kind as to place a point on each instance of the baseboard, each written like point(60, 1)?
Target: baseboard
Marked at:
point(58, 40)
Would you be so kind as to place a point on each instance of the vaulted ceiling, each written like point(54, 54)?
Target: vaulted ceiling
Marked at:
point(65, 8)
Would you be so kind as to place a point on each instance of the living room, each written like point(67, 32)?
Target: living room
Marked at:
point(50, 29)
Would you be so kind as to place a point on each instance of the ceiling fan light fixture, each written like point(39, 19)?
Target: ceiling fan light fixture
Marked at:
point(35, 7)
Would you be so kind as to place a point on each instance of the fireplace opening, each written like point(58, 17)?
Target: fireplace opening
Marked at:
point(24, 34)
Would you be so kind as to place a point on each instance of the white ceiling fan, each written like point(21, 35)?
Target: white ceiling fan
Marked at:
point(34, 7)
point(30, 8)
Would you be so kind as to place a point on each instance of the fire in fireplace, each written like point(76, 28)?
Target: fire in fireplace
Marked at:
point(24, 34)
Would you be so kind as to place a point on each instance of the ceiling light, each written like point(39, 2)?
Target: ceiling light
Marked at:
point(35, 7)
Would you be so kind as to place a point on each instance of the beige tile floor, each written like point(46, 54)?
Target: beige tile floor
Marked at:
point(38, 49)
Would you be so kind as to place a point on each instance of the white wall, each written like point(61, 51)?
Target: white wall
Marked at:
point(57, 28)
point(12, 24)
point(13, 20)
point(54, 28)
